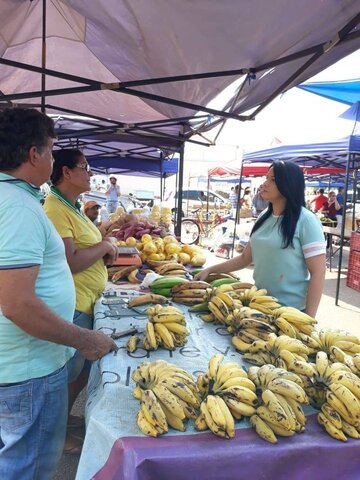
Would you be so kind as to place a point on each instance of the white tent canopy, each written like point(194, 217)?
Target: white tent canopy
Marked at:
point(115, 41)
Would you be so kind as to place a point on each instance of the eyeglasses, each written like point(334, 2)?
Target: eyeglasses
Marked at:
point(84, 166)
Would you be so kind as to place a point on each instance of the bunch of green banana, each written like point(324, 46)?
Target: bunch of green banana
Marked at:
point(163, 285)
point(272, 350)
point(194, 292)
point(166, 328)
point(280, 411)
point(294, 323)
point(248, 326)
point(227, 394)
point(173, 269)
point(168, 396)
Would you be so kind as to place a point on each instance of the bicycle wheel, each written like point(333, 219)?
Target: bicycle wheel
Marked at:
point(190, 231)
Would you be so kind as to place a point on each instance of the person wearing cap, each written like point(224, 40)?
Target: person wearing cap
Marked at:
point(91, 210)
point(112, 195)
point(87, 254)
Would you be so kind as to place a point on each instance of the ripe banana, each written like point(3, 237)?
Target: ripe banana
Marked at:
point(170, 401)
point(276, 408)
point(152, 410)
point(146, 427)
point(263, 429)
point(330, 428)
point(131, 344)
point(214, 364)
point(150, 336)
point(147, 298)
point(181, 390)
point(288, 388)
point(165, 335)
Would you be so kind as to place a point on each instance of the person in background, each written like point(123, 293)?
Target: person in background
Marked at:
point(330, 208)
point(112, 195)
point(87, 254)
point(286, 244)
point(91, 210)
point(259, 203)
point(246, 200)
point(319, 200)
point(340, 210)
point(37, 302)
point(234, 195)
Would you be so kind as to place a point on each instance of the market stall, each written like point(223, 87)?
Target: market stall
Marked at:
point(115, 448)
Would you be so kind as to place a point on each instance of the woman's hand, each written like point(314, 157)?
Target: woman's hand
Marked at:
point(112, 251)
point(203, 274)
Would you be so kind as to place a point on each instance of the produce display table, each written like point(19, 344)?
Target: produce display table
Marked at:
point(114, 447)
point(331, 232)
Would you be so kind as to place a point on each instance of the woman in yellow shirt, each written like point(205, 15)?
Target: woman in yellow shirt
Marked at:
point(86, 253)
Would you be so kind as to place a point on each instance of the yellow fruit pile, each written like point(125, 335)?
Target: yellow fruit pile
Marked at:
point(167, 248)
point(227, 394)
point(279, 412)
point(168, 397)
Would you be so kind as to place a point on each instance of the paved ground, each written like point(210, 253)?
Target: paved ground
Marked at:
point(345, 316)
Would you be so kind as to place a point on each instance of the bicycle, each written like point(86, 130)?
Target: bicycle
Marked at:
point(202, 225)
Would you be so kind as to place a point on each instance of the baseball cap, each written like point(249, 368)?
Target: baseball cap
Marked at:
point(112, 176)
point(91, 204)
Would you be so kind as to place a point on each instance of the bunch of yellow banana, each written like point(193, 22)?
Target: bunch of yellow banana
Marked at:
point(173, 269)
point(222, 304)
point(335, 384)
point(168, 396)
point(280, 412)
point(335, 425)
point(132, 343)
point(258, 300)
point(296, 324)
point(228, 393)
point(247, 326)
point(166, 328)
point(339, 399)
point(345, 343)
point(190, 293)
point(352, 362)
point(272, 350)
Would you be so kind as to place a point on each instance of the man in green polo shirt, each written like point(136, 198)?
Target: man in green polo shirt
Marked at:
point(37, 302)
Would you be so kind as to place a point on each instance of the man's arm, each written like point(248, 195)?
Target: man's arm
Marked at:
point(317, 268)
point(20, 304)
point(118, 190)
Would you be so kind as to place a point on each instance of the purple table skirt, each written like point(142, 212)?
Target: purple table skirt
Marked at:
point(312, 455)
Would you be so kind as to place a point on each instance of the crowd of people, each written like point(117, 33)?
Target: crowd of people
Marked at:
point(331, 206)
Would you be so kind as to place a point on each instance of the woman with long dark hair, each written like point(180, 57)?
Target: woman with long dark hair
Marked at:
point(286, 245)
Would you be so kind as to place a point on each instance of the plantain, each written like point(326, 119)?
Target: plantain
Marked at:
point(147, 298)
